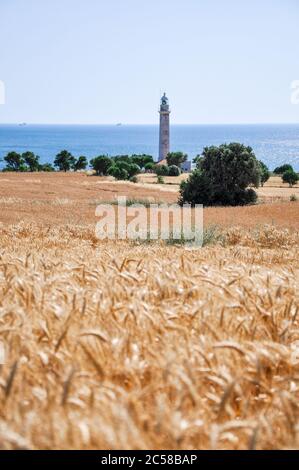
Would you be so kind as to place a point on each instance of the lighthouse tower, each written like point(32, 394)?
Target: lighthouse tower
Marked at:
point(164, 128)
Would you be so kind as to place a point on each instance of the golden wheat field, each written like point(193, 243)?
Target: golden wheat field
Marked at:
point(127, 345)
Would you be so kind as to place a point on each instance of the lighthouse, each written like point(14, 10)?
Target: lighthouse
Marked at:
point(164, 128)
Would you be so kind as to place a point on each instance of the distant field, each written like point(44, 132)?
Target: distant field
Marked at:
point(72, 198)
point(122, 345)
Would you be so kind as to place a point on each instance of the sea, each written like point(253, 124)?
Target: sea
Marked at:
point(274, 144)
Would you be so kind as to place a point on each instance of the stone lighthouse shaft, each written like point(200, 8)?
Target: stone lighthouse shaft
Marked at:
point(164, 128)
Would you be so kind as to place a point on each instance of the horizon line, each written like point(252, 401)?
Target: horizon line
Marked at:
point(24, 124)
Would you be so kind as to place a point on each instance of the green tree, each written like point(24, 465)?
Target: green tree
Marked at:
point(64, 161)
point(121, 158)
point(176, 158)
point(161, 170)
point(46, 167)
point(280, 170)
point(101, 164)
point(149, 166)
point(31, 160)
point(142, 160)
point(14, 162)
point(265, 173)
point(118, 172)
point(133, 170)
point(223, 177)
point(197, 160)
point(80, 163)
point(291, 177)
point(174, 170)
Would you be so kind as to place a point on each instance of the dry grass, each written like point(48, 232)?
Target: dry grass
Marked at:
point(114, 345)
point(136, 346)
point(72, 198)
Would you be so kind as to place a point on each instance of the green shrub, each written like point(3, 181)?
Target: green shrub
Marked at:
point(176, 158)
point(174, 170)
point(142, 160)
point(160, 179)
point(64, 161)
point(280, 170)
point(46, 167)
point(31, 160)
point(161, 170)
point(14, 162)
point(265, 173)
point(149, 166)
point(101, 164)
point(291, 177)
point(118, 172)
point(80, 163)
point(223, 177)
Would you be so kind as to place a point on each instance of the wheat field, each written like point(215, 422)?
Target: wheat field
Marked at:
point(120, 345)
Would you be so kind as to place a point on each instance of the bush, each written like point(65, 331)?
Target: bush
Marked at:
point(291, 177)
point(161, 170)
point(134, 179)
point(101, 164)
point(31, 160)
point(223, 177)
point(280, 170)
point(15, 162)
point(176, 158)
point(265, 173)
point(149, 166)
point(160, 179)
point(118, 172)
point(293, 198)
point(174, 170)
point(142, 160)
point(64, 161)
point(133, 169)
point(46, 167)
point(80, 163)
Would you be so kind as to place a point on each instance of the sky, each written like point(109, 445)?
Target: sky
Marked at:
point(108, 61)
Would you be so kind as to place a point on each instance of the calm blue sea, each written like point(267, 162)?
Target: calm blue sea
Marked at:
point(274, 144)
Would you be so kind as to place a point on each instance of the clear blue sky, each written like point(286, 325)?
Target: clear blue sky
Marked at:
point(106, 61)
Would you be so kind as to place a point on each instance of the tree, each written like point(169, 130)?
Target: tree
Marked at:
point(161, 170)
point(176, 158)
point(142, 160)
point(223, 177)
point(149, 166)
point(80, 163)
point(14, 161)
point(291, 177)
point(101, 164)
point(64, 161)
point(197, 160)
point(46, 167)
point(265, 173)
point(118, 172)
point(31, 160)
point(133, 170)
point(280, 170)
point(174, 170)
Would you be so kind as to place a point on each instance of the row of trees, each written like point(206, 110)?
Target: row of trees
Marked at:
point(28, 161)
point(121, 167)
